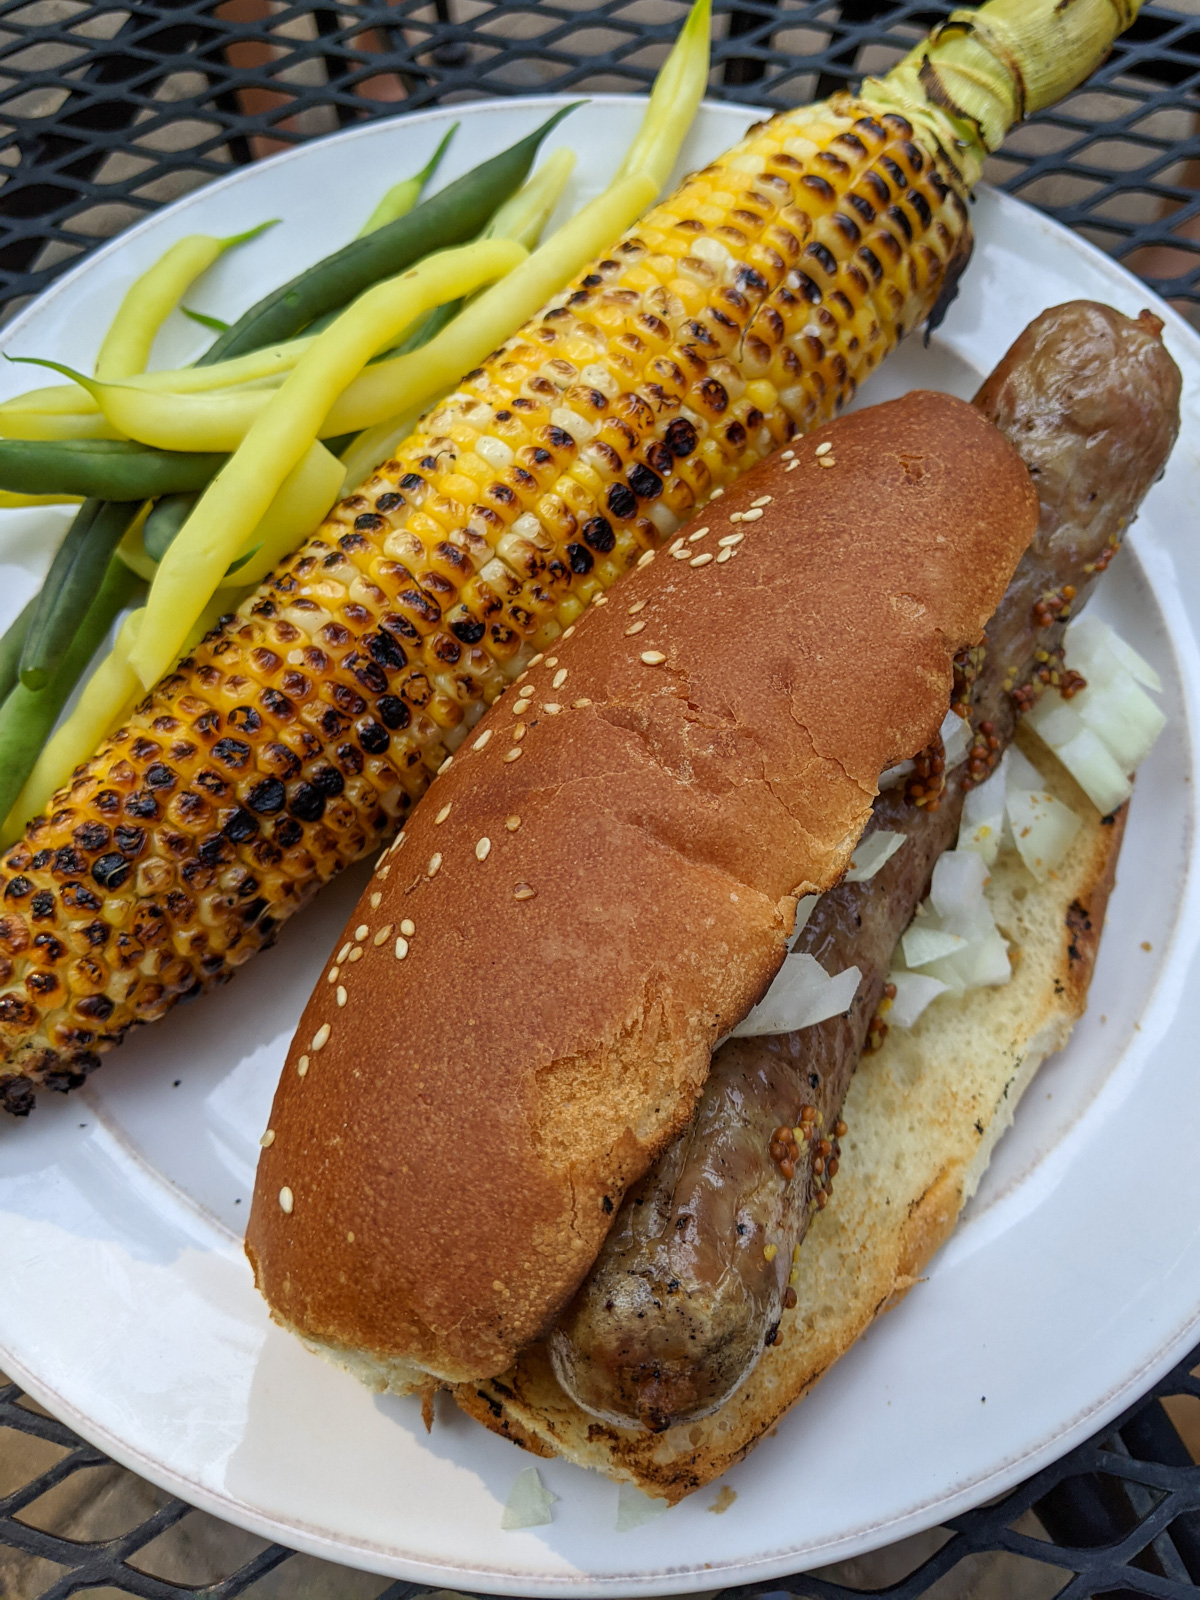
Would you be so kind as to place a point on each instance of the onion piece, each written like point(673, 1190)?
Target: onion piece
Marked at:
point(529, 1502)
point(897, 774)
point(1090, 762)
point(914, 991)
point(923, 944)
point(1087, 642)
point(803, 993)
point(956, 738)
point(804, 910)
point(1021, 772)
point(1124, 717)
point(634, 1508)
point(982, 825)
point(872, 850)
point(1043, 829)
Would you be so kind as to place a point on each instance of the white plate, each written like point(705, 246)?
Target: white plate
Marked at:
point(127, 1305)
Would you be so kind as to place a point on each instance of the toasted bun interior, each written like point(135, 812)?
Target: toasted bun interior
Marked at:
point(527, 996)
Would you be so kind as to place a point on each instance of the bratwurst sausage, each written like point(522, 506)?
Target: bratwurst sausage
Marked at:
point(693, 1277)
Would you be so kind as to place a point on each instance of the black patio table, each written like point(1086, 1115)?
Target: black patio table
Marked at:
point(109, 110)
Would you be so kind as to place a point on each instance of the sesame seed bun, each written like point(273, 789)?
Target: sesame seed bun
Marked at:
point(465, 1104)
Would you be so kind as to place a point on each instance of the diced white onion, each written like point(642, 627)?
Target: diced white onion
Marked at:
point(871, 853)
point(956, 738)
point(982, 825)
point(1124, 717)
point(634, 1508)
point(894, 775)
point(529, 1502)
point(802, 994)
point(1042, 829)
point(914, 991)
point(1090, 762)
point(804, 910)
point(923, 944)
point(1089, 640)
point(1021, 772)
point(982, 963)
point(956, 888)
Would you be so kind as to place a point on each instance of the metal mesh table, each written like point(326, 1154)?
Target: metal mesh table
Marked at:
point(110, 110)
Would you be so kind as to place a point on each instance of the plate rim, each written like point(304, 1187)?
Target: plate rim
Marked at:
point(369, 1554)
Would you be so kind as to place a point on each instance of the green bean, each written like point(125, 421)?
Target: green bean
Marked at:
point(75, 575)
point(164, 522)
point(108, 469)
point(452, 216)
point(11, 646)
point(27, 715)
point(403, 196)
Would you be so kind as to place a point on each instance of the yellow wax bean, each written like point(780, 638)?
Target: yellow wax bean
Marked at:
point(132, 549)
point(57, 425)
point(677, 93)
point(238, 497)
point(301, 505)
point(10, 501)
point(110, 691)
point(148, 303)
point(390, 387)
point(523, 216)
point(57, 398)
point(375, 445)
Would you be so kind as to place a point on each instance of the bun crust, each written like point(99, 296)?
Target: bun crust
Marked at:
point(924, 1115)
point(703, 748)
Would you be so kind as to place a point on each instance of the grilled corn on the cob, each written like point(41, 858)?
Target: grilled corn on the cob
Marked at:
point(746, 307)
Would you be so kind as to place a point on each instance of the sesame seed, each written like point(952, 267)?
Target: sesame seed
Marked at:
point(789, 455)
point(567, 632)
point(375, 899)
point(435, 862)
point(268, 1139)
point(828, 461)
point(716, 494)
point(331, 976)
point(302, 1066)
point(736, 516)
point(552, 708)
point(408, 927)
point(699, 534)
point(482, 739)
point(791, 466)
point(732, 538)
point(681, 554)
point(514, 754)
point(763, 500)
point(599, 599)
point(383, 855)
point(342, 996)
point(551, 661)
point(344, 951)
point(356, 954)
point(535, 659)
point(524, 891)
point(383, 873)
point(445, 766)
point(638, 605)
point(521, 675)
point(519, 732)
point(441, 816)
point(702, 560)
point(350, 1238)
point(581, 705)
point(674, 546)
point(483, 849)
point(646, 557)
point(724, 556)
point(401, 949)
point(512, 823)
point(361, 932)
point(286, 1200)
point(752, 515)
point(383, 935)
point(824, 449)
point(560, 677)
point(653, 658)
point(520, 708)
point(635, 627)
point(321, 1037)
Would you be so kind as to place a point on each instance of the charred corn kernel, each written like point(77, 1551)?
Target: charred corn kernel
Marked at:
point(303, 730)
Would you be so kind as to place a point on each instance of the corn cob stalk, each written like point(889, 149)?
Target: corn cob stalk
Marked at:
point(746, 307)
